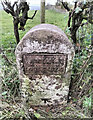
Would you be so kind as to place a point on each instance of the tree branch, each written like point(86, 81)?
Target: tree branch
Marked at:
point(65, 5)
point(15, 10)
point(14, 4)
point(33, 15)
point(4, 57)
point(8, 8)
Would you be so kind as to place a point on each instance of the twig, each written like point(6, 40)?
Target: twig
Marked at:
point(33, 15)
point(84, 67)
point(4, 57)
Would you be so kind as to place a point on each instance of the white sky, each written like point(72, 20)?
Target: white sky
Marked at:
point(37, 2)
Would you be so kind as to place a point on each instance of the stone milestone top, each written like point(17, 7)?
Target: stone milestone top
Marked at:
point(46, 38)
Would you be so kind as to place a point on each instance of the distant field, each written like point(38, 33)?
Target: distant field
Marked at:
point(6, 28)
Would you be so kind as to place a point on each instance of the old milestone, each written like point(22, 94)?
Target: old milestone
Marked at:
point(44, 58)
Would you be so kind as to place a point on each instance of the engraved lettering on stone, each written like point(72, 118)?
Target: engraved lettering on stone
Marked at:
point(47, 64)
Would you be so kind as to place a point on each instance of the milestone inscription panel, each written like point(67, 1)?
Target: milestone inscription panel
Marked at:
point(44, 64)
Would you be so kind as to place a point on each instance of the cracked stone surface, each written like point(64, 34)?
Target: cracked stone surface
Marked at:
point(44, 56)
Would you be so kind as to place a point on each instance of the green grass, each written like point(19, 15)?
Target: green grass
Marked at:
point(8, 44)
point(6, 21)
point(7, 38)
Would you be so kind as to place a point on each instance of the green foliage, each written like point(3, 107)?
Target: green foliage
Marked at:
point(78, 9)
point(10, 82)
point(81, 75)
point(82, 69)
point(12, 112)
point(68, 30)
point(78, 60)
point(65, 112)
point(37, 115)
point(87, 104)
point(4, 93)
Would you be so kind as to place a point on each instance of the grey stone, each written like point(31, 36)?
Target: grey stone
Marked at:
point(44, 59)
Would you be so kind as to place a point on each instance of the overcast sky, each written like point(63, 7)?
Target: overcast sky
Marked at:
point(37, 2)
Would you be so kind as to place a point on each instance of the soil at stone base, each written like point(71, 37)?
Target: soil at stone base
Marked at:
point(69, 110)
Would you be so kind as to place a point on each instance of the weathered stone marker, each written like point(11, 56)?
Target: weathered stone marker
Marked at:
point(45, 55)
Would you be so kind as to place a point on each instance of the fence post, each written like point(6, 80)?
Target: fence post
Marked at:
point(42, 11)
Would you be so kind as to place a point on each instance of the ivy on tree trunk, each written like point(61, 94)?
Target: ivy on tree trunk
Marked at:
point(76, 17)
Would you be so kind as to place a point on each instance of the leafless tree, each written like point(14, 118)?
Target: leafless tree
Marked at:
point(19, 12)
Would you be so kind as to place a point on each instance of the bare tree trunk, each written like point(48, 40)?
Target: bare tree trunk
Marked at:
point(42, 11)
point(69, 19)
point(16, 30)
point(73, 36)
